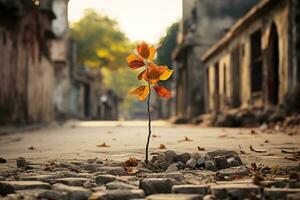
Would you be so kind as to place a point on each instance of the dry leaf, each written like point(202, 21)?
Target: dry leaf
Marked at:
point(200, 148)
point(267, 141)
point(155, 136)
point(257, 151)
point(162, 146)
point(186, 139)
point(242, 152)
point(131, 162)
point(31, 148)
point(131, 170)
point(103, 145)
point(253, 132)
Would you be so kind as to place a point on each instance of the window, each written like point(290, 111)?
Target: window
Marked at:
point(256, 62)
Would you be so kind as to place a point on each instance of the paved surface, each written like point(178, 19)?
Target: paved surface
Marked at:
point(78, 140)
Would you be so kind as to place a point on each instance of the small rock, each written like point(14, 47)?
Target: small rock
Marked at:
point(208, 197)
point(233, 172)
point(21, 163)
point(73, 192)
point(174, 196)
point(191, 163)
point(105, 178)
point(178, 176)
point(2, 160)
point(170, 156)
point(157, 185)
point(90, 167)
point(235, 191)
point(53, 195)
point(72, 181)
point(164, 165)
point(6, 188)
point(119, 185)
point(161, 158)
point(195, 155)
point(172, 168)
point(117, 195)
point(279, 193)
point(118, 171)
point(184, 157)
point(190, 189)
point(25, 185)
point(201, 162)
point(210, 165)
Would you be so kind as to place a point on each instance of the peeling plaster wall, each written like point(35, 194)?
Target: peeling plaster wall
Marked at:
point(280, 17)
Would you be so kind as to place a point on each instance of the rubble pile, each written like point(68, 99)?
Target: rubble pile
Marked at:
point(217, 174)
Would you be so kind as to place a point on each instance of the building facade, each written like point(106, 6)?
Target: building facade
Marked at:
point(204, 23)
point(256, 63)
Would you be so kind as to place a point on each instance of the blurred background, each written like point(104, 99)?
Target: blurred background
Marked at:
point(66, 59)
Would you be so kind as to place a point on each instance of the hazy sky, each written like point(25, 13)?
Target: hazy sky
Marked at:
point(140, 20)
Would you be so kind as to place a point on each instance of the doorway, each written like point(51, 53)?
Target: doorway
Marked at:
point(273, 66)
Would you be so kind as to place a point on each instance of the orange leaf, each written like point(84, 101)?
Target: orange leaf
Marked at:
point(135, 62)
point(141, 75)
point(152, 51)
point(166, 74)
point(141, 92)
point(162, 91)
point(162, 146)
point(103, 145)
point(131, 162)
point(143, 50)
point(186, 139)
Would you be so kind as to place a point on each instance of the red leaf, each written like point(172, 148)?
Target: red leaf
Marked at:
point(162, 91)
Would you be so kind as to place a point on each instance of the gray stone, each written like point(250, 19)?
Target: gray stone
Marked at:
point(174, 196)
point(90, 167)
point(6, 188)
point(72, 181)
point(172, 168)
point(208, 197)
point(43, 178)
point(178, 176)
point(234, 171)
point(279, 193)
point(184, 157)
point(195, 155)
point(25, 185)
point(119, 185)
point(164, 165)
point(235, 191)
point(21, 163)
point(191, 163)
point(170, 156)
point(117, 195)
point(73, 192)
point(157, 185)
point(295, 196)
point(221, 153)
point(190, 189)
point(105, 178)
point(161, 158)
point(52, 195)
point(180, 165)
point(201, 162)
point(210, 165)
point(118, 171)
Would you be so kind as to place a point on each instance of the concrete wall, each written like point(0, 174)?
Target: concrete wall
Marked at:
point(279, 15)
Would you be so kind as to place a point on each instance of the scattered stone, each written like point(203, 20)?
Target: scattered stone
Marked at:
point(73, 192)
point(191, 163)
point(201, 162)
point(279, 193)
point(180, 165)
point(90, 167)
point(174, 196)
point(235, 191)
point(172, 168)
point(178, 176)
point(157, 185)
point(2, 160)
point(210, 165)
point(6, 188)
point(119, 185)
point(72, 181)
point(43, 178)
point(105, 178)
point(21, 163)
point(25, 185)
point(170, 156)
point(118, 171)
point(184, 157)
point(117, 195)
point(52, 195)
point(161, 158)
point(233, 172)
point(190, 189)
point(295, 196)
point(195, 155)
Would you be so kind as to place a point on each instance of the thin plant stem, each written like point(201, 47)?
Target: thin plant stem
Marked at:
point(149, 119)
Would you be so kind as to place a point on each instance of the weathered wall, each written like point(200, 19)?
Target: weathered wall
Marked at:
point(26, 74)
point(280, 17)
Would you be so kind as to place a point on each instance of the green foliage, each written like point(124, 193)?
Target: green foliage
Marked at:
point(100, 42)
point(168, 44)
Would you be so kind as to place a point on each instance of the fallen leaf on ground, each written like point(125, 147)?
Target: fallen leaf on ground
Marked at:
point(155, 136)
point(200, 148)
point(267, 141)
point(103, 145)
point(253, 132)
point(256, 150)
point(242, 152)
point(162, 146)
point(131, 162)
point(131, 170)
point(186, 139)
point(31, 148)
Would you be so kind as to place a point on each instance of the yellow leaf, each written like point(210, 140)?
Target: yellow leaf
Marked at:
point(166, 75)
point(141, 92)
point(152, 51)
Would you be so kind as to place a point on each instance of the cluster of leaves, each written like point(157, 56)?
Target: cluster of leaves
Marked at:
point(100, 42)
point(150, 72)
